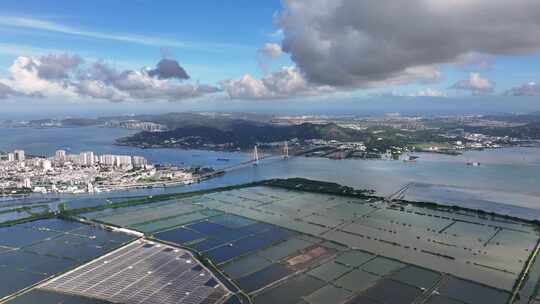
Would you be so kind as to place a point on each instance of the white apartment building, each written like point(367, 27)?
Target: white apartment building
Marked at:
point(60, 155)
point(27, 183)
point(19, 155)
point(139, 161)
point(107, 160)
point(123, 160)
point(87, 158)
point(116, 160)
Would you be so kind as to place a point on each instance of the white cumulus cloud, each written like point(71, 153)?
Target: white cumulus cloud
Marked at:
point(284, 83)
point(271, 50)
point(475, 84)
point(25, 78)
point(67, 77)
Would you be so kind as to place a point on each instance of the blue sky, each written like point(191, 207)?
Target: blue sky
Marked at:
point(221, 45)
point(220, 39)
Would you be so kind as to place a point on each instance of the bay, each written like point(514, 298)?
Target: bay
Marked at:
point(506, 182)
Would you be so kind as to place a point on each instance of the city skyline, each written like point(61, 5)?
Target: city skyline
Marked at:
point(62, 172)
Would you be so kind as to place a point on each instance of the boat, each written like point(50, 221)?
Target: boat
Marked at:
point(473, 164)
point(411, 159)
point(223, 159)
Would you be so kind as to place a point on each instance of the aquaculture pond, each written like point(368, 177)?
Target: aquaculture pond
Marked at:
point(313, 247)
point(291, 246)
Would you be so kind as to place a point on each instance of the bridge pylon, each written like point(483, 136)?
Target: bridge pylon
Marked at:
point(255, 156)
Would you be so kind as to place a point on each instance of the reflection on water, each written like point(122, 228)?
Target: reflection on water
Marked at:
point(515, 204)
point(509, 156)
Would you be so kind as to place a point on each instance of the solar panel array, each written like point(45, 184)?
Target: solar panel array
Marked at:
point(143, 272)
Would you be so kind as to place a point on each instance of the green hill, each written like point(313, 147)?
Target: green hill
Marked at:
point(241, 134)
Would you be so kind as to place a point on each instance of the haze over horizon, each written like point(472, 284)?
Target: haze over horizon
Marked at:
point(272, 57)
point(270, 152)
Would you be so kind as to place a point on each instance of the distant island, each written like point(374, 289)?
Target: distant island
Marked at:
point(335, 137)
point(342, 137)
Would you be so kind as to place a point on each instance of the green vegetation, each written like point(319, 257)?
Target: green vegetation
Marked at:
point(240, 134)
point(152, 199)
point(298, 184)
point(244, 134)
point(62, 207)
point(31, 212)
point(301, 184)
point(479, 212)
point(307, 185)
point(28, 219)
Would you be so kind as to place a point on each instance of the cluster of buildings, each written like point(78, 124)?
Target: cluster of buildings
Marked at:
point(136, 125)
point(88, 159)
point(482, 141)
point(83, 172)
point(17, 155)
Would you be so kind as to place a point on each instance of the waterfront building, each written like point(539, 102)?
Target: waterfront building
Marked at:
point(139, 162)
point(107, 160)
point(116, 160)
point(19, 155)
point(27, 183)
point(60, 155)
point(123, 160)
point(87, 158)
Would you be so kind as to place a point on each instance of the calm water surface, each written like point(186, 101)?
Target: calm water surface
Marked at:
point(508, 180)
point(100, 140)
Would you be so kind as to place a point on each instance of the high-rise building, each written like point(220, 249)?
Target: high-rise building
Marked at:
point(139, 161)
point(86, 158)
point(19, 155)
point(27, 183)
point(107, 160)
point(123, 160)
point(11, 157)
point(90, 159)
point(60, 155)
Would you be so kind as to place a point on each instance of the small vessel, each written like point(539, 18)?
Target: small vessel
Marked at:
point(473, 164)
point(411, 159)
point(223, 159)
